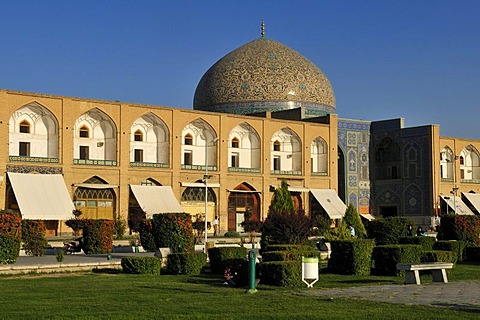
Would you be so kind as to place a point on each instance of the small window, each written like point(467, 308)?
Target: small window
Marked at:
point(276, 146)
point(188, 140)
point(24, 126)
point(462, 160)
point(138, 157)
point(24, 149)
point(187, 158)
point(138, 135)
point(235, 143)
point(276, 163)
point(234, 160)
point(84, 152)
point(83, 133)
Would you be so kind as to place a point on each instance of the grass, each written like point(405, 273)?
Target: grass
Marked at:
point(111, 295)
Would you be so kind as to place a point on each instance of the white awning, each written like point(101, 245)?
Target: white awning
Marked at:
point(457, 205)
point(95, 185)
point(474, 199)
point(330, 202)
point(292, 188)
point(199, 184)
point(156, 199)
point(41, 196)
point(367, 216)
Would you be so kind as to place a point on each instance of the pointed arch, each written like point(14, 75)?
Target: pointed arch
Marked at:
point(95, 202)
point(243, 203)
point(387, 160)
point(470, 168)
point(203, 149)
point(286, 152)
point(412, 153)
point(244, 149)
point(319, 156)
point(149, 142)
point(33, 134)
point(446, 164)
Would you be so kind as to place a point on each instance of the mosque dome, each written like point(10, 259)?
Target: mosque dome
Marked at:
point(264, 75)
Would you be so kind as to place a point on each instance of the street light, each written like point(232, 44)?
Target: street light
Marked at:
point(205, 180)
point(454, 189)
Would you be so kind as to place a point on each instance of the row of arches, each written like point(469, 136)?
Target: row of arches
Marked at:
point(34, 134)
point(468, 160)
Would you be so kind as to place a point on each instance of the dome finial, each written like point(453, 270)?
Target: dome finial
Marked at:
point(263, 29)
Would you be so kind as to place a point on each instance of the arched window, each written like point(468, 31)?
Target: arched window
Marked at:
point(235, 143)
point(188, 140)
point(24, 126)
point(83, 132)
point(276, 145)
point(138, 135)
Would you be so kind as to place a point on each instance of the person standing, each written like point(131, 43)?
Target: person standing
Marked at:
point(215, 226)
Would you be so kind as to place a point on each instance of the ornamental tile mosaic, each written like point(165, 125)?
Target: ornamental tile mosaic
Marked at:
point(263, 70)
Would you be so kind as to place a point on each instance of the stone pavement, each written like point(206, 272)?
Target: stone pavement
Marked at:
point(459, 295)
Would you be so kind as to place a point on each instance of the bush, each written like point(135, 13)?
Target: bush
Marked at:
point(174, 231)
point(352, 218)
point(281, 273)
point(97, 236)
point(141, 265)
point(222, 257)
point(456, 246)
point(460, 227)
point(426, 242)
point(120, 227)
point(351, 256)
point(33, 237)
point(388, 230)
point(386, 257)
point(285, 229)
point(472, 253)
point(231, 234)
point(439, 256)
point(147, 238)
point(186, 263)
point(288, 247)
point(289, 255)
point(10, 236)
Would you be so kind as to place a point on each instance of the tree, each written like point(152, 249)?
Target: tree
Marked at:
point(352, 218)
point(282, 202)
point(251, 226)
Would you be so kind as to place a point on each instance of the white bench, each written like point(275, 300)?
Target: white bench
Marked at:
point(412, 271)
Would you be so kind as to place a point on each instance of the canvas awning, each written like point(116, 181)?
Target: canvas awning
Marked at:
point(292, 188)
point(156, 199)
point(330, 202)
point(41, 196)
point(457, 205)
point(474, 199)
point(367, 216)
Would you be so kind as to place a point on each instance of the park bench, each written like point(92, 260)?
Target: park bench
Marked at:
point(412, 271)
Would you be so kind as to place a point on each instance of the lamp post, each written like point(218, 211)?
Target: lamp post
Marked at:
point(454, 189)
point(205, 180)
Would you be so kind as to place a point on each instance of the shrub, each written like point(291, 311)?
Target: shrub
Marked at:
point(386, 257)
point(60, 255)
point(288, 247)
point(76, 224)
point(97, 236)
point(33, 237)
point(231, 234)
point(141, 265)
point(426, 242)
point(147, 238)
point(120, 227)
point(289, 255)
point(456, 246)
point(285, 229)
point(388, 230)
point(352, 218)
point(281, 273)
point(351, 256)
point(222, 257)
point(460, 227)
point(472, 253)
point(174, 231)
point(10, 236)
point(439, 256)
point(186, 263)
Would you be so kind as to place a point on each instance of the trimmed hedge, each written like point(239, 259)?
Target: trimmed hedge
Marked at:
point(147, 238)
point(141, 265)
point(174, 231)
point(222, 257)
point(281, 273)
point(289, 255)
point(426, 242)
point(386, 257)
point(452, 245)
point(98, 236)
point(439, 256)
point(351, 256)
point(388, 230)
point(10, 236)
point(33, 237)
point(186, 263)
point(472, 253)
point(288, 247)
point(460, 227)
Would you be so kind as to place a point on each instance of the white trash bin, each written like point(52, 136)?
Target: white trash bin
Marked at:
point(309, 271)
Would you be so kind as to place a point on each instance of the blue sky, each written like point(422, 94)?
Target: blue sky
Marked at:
point(385, 59)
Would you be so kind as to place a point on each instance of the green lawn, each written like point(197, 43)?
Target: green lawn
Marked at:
point(118, 296)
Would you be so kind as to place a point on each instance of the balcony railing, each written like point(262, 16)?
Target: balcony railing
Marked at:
point(197, 167)
point(470, 181)
point(149, 165)
point(33, 159)
point(287, 173)
point(447, 179)
point(88, 162)
point(249, 170)
point(319, 174)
